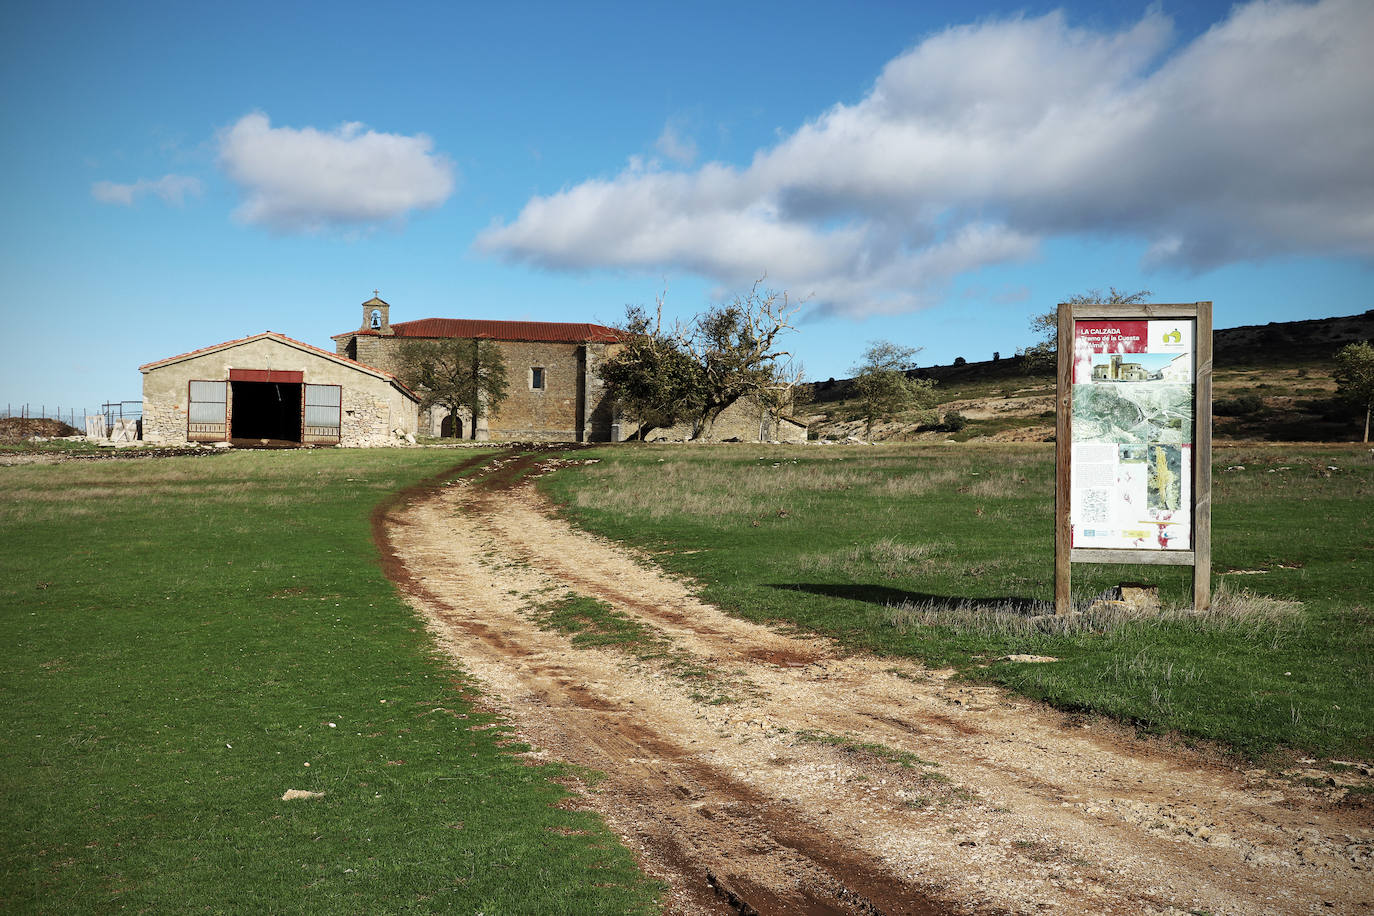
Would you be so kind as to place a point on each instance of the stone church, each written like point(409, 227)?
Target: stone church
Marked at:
point(553, 393)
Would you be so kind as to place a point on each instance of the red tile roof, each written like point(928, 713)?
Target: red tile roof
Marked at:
point(529, 331)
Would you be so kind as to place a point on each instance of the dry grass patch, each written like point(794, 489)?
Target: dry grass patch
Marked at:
point(1236, 610)
point(696, 486)
point(922, 484)
point(698, 489)
point(997, 486)
point(246, 479)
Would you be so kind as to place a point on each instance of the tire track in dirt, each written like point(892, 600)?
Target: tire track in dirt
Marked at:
point(836, 783)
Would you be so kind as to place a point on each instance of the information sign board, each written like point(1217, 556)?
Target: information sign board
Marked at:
point(1132, 434)
point(1134, 438)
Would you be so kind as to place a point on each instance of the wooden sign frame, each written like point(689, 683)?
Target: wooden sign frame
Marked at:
point(1200, 554)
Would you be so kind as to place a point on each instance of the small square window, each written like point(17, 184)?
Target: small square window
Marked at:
point(537, 377)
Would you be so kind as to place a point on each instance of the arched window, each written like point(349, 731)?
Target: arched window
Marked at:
point(376, 322)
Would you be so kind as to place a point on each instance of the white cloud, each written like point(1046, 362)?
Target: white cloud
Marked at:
point(307, 180)
point(675, 146)
point(171, 188)
point(982, 141)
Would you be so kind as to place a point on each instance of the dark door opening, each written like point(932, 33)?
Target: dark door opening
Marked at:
point(266, 410)
point(451, 427)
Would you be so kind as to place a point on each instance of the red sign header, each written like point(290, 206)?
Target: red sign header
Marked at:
point(1112, 336)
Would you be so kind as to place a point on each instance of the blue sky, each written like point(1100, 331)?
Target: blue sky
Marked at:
point(928, 173)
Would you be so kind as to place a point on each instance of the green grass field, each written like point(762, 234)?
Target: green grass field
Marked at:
point(186, 639)
point(945, 553)
point(183, 636)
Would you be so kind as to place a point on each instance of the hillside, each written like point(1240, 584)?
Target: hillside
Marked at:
point(1270, 382)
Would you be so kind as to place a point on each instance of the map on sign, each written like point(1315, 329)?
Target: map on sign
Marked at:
point(1133, 391)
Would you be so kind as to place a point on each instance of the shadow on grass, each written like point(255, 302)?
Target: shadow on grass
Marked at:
point(886, 596)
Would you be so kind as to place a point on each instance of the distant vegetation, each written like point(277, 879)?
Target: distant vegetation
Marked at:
point(883, 387)
point(1355, 378)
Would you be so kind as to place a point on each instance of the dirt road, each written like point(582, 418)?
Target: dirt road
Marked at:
point(755, 771)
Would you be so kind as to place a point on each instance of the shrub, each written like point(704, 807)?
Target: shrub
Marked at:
point(1241, 406)
point(954, 421)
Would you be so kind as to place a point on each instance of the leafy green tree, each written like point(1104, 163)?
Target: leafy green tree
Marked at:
point(882, 386)
point(1355, 377)
point(653, 378)
point(455, 374)
point(1042, 356)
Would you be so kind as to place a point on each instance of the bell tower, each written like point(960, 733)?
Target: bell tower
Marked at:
point(377, 315)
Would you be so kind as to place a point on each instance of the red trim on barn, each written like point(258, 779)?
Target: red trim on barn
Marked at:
point(285, 376)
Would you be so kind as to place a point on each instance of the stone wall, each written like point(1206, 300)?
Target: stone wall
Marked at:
point(600, 420)
point(746, 420)
point(377, 352)
point(543, 414)
point(791, 430)
point(368, 420)
point(164, 421)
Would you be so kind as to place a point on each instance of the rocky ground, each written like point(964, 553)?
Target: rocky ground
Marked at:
point(1030, 408)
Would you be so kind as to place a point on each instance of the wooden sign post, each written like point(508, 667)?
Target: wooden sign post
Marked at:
point(1133, 440)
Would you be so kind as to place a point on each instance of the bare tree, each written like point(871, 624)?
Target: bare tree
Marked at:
point(1112, 296)
point(735, 346)
point(782, 398)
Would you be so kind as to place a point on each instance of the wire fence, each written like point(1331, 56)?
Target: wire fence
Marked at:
point(75, 416)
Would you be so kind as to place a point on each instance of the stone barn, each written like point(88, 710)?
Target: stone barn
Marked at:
point(269, 388)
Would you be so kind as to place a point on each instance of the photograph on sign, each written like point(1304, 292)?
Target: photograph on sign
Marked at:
point(1132, 419)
